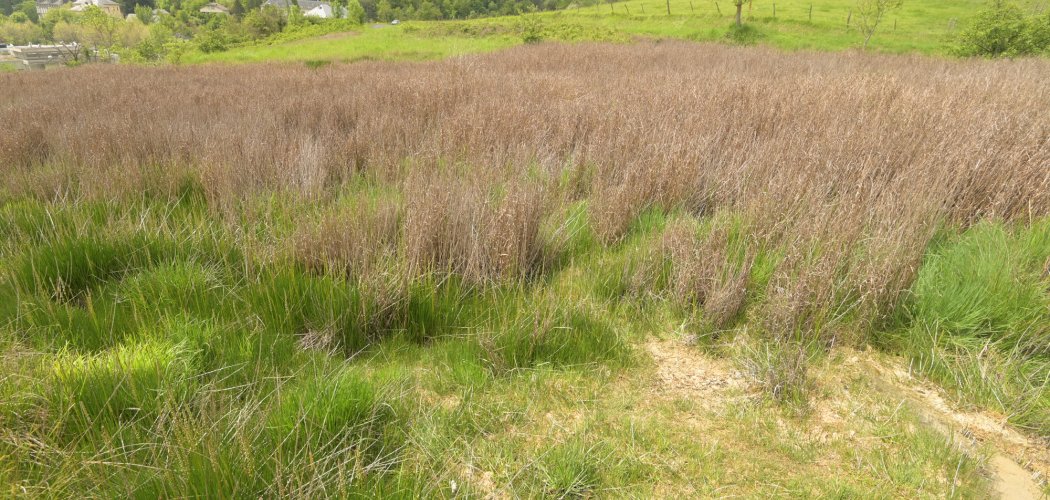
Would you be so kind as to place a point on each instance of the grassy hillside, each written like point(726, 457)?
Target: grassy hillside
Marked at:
point(924, 26)
point(645, 270)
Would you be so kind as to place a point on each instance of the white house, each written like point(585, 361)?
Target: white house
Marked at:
point(322, 10)
point(310, 8)
point(42, 6)
point(108, 6)
point(215, 8)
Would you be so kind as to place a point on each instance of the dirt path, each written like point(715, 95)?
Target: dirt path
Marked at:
point(972, 430)
point(682, 371)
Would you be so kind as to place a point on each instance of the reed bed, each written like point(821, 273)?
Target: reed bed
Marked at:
point(807, 198)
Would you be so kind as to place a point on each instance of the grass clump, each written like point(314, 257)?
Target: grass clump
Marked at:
point(978, 320)
point(746, 34)
point(989, 283)
point(337, 414)
point(543, 334)
point(129, 384)
point(573, 469)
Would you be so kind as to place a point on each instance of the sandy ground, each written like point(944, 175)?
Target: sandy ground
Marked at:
point(1017, 462)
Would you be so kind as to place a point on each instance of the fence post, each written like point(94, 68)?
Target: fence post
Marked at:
point(810, 12)
point(719, 8)
point(850, 16)
point(668, 8)
point(774, 10)
point(691, 9)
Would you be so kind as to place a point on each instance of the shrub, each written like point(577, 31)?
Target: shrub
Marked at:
point(266, 21)
point(1003, 29)
point(212, 40)
point(746, 34)
point(531, 29)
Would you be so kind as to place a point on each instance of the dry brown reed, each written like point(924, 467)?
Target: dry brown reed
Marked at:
point(354, 240)
point(846, 162)
point(704, 273)
point(481, 229)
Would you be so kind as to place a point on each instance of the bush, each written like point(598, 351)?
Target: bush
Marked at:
point(743, 35)
point(264, 22)
point(1004, 30)
point(154, 47)
point(531, 29)
point(354, 11)
point(212, 40)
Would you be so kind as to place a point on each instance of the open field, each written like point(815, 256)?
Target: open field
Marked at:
point(924, 26)
point(645, 269)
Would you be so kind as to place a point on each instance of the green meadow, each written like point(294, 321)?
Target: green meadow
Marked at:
point(355, 266)
point(919, 26)
point(146, 334)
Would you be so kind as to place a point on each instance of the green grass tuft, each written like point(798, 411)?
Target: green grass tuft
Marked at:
point(131, 383)
point(339, 412)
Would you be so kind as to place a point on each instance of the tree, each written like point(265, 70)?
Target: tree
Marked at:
point(1039, 32)
point(296, 17)
point(739, 4)
point(128, 6)
point(354, 11)
point(264, 22)
point(71, 38)
point(144, 14)
point(870, 14)
point(28, 7)
point(154, 47)
point(385, 11)
point(20, 33)
point(101, 29)
point(1004, 30)
point(428, 11)
point(7, 7)
point(131, 33)
point(53, 16)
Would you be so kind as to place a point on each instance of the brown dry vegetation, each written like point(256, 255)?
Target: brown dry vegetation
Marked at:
point(843, 164)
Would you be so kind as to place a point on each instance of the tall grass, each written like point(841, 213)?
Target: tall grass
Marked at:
point(845, 163)
point(203, 269)
point(978, 319)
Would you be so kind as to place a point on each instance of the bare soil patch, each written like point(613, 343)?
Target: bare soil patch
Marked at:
point(684, 372)
point(1021, 462)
